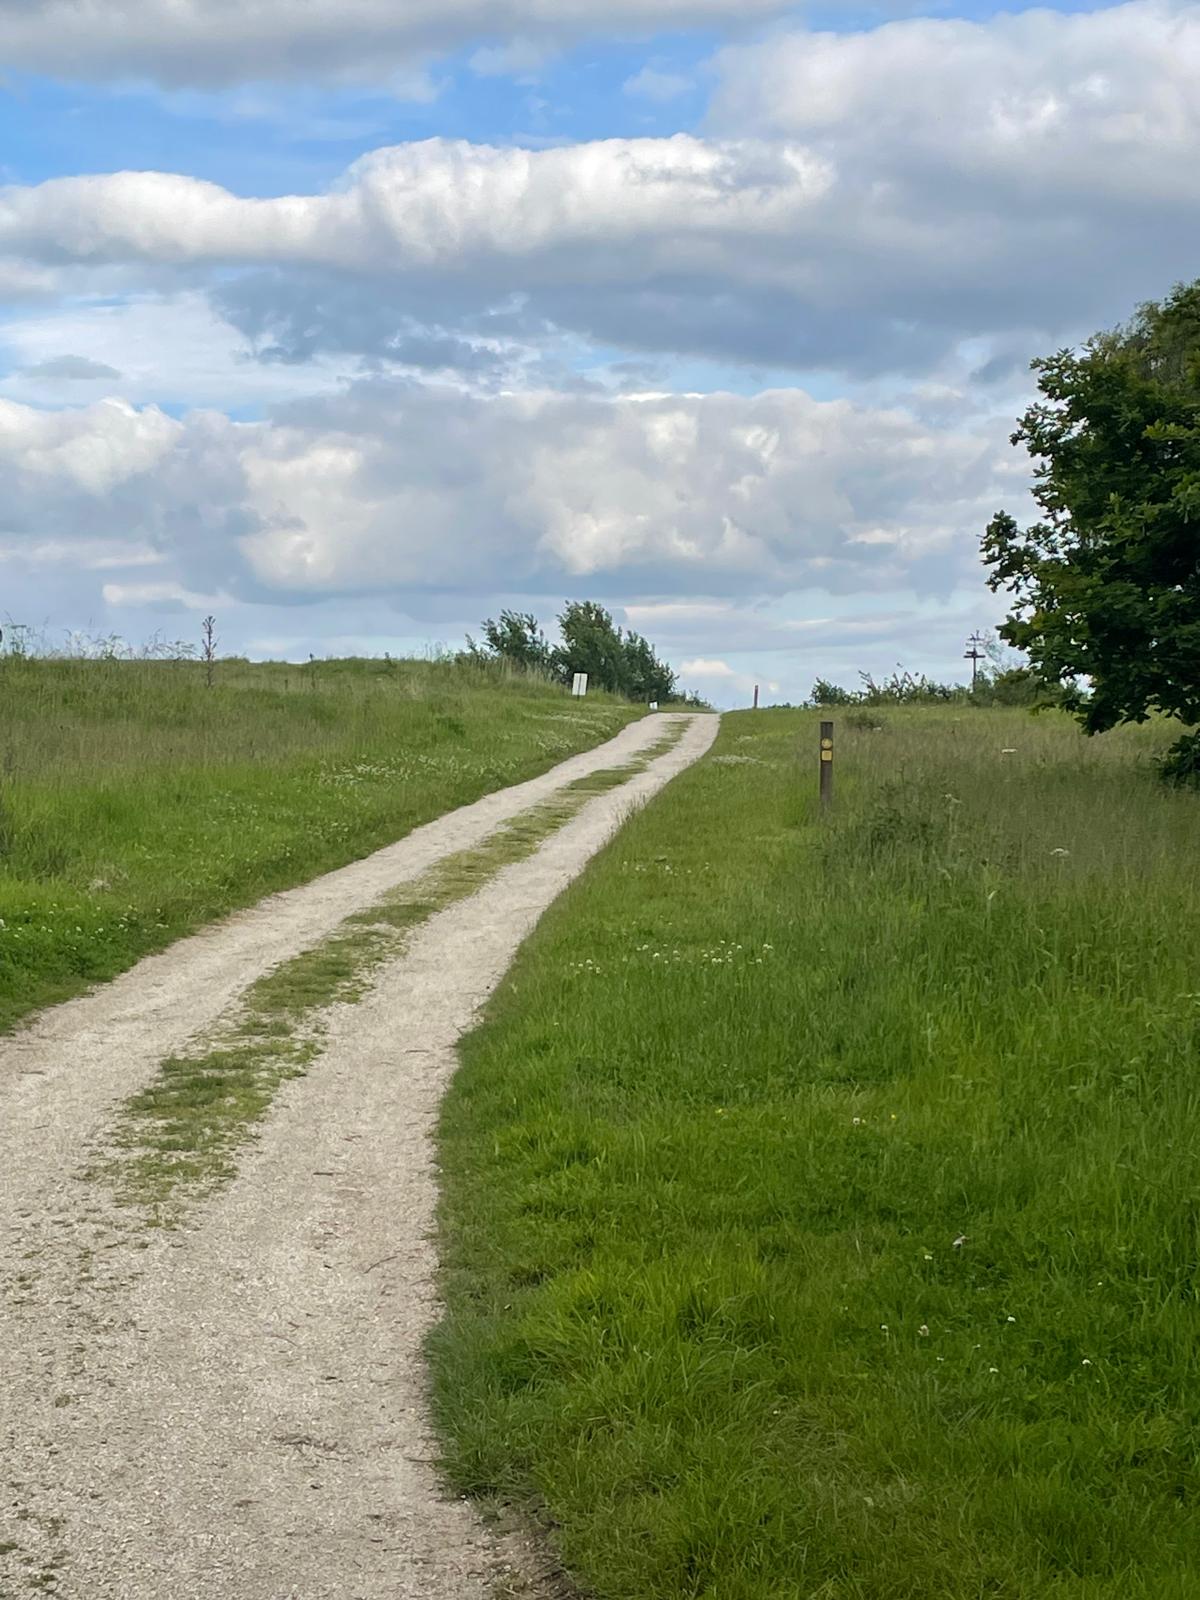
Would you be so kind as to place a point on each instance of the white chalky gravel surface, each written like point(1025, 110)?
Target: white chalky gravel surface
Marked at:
point(236, 1408)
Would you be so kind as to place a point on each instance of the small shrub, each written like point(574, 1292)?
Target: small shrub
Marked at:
point(906, 688)
point(864, 721)
point(825, 693)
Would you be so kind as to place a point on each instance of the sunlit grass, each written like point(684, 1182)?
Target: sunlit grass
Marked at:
point(136, 804)
point(821, 1213)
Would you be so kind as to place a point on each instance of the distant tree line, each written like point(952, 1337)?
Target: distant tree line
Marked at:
point(1002, 682)
point(615, 659)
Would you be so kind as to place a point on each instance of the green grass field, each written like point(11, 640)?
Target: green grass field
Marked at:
point(137, 804)
point(822, 1211)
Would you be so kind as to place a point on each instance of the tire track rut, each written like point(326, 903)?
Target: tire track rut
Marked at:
point(236, 1408)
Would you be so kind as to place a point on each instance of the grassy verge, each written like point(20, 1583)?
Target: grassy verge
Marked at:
point(178, 1138)
point(821, 1215)
point(137, 804)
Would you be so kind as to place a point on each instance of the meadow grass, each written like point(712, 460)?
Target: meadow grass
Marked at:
point(821, 1214)
point(137, 804)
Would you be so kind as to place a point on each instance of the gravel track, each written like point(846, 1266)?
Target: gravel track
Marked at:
point(236, 1408)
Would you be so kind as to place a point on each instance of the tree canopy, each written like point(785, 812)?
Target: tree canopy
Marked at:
point(516, 637)
point(1106, 584)
point(622, 662)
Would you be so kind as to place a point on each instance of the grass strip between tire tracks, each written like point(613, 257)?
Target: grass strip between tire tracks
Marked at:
point(179, 1137)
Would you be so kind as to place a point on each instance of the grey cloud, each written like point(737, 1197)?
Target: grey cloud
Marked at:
point(439, 351)
point(302, 314)
point(999, 369)
point(210, 43)
point(290, 318)
point(72, 368)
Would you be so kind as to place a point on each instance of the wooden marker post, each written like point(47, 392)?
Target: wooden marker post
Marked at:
point(826, 765)
point(756, 697)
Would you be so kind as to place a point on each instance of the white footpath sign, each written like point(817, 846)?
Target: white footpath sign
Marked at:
point(579, 683)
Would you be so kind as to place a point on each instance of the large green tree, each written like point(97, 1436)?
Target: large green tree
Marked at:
point(1106, 584)
point(648, 677)
point(624, 663)
point(592, 643)
point(516, 637)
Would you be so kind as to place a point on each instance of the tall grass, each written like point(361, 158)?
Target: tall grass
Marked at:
point(136, 802)
point(822, 1213)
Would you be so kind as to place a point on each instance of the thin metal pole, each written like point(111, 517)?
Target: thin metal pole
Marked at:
point(974, 655)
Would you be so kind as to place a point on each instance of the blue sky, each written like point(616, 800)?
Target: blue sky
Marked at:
point(355, 329)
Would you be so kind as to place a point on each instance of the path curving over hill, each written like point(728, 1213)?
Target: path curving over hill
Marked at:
point(234, 1408)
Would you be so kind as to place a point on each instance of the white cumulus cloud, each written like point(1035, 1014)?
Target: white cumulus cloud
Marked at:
point(703, 667)
point(94, 450)
point(1041, 104)
point(864, 202)
point(400, 490)
point(439, 205)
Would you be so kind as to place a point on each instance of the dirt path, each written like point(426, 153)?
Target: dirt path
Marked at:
point(235, 1408)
